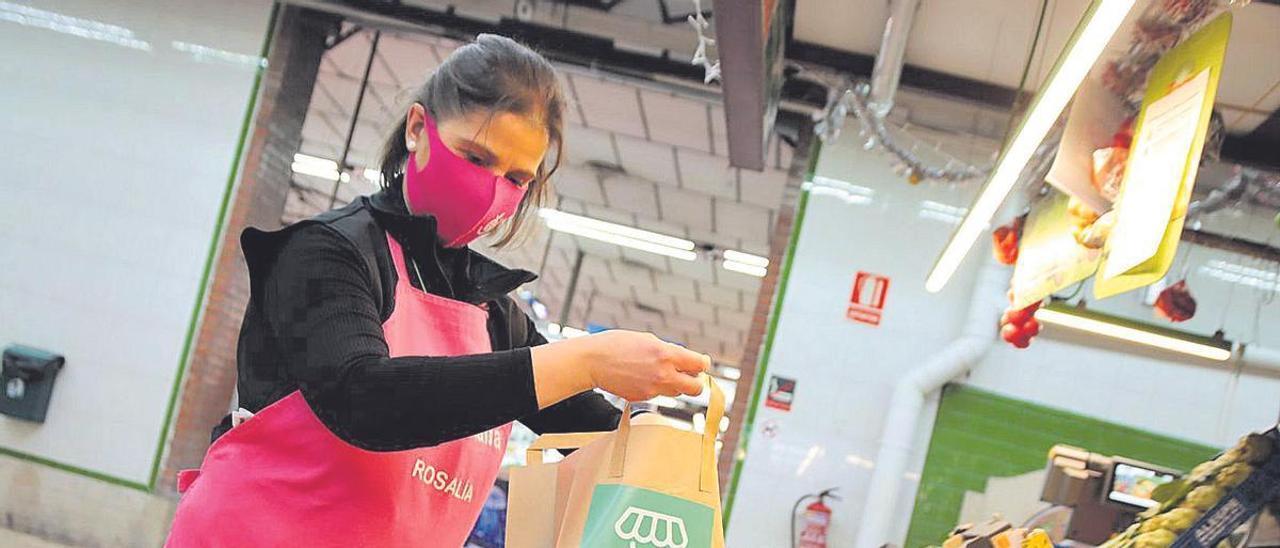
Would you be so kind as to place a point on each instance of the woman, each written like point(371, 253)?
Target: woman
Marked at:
point(383, 359)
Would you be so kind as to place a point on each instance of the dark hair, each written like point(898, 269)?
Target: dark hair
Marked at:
point(492, 74)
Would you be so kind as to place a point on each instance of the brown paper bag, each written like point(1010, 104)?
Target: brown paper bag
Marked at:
point(639, 486)
point(536, 496)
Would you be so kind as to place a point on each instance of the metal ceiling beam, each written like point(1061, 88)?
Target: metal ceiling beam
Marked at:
point(740, 43)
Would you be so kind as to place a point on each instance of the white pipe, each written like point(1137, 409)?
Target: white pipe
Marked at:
point(892, 55)
point(898, 437)
point(1260, 358)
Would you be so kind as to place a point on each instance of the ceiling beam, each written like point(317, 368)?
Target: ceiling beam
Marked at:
point(740, 40)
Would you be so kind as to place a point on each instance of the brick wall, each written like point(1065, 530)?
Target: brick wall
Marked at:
point(258, 199)
point(778, 241)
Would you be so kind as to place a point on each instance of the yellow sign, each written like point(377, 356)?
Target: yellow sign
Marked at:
point(1165, 157)
point(1049, 258)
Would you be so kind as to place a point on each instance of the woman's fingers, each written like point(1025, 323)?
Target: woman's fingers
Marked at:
point(687, 384)
point(690, 362)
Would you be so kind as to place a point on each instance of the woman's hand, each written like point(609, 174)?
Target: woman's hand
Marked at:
point(634, 366)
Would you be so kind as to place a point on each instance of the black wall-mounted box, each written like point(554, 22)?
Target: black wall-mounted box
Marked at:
point(27, 379)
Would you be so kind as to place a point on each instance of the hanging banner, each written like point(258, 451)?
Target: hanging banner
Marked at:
point(1163, 162)
point(1095, 115)
point(1049, 257)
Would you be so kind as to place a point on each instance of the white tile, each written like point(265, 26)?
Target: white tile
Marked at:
point(719, 134)
point(577, 182)
point(677, 286)
point(698, 270)
point(726, 333)
point(763, 188)
point(634, 195)
point(696, 310)
point(725, 297)
point(647, 160)
point(676, 120)
point(612, 290)
point(729, 278)
point(610, 106)
point(748, 222)
point(651, 260)
point(571, 113)
point(644, 317)
point(691, 209)
point(583, 144)
point(571, 205)
point(611, 214)
point(662, 227)
point(734, 319)
point(634, 275)
point(721, 240)
point(659, 301)
point(596, 248)
point(684, 323)
point(704, 344)
point(708, 174)
point(755, 248)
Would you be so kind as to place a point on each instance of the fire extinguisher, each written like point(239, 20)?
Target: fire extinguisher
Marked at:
point(815, 520)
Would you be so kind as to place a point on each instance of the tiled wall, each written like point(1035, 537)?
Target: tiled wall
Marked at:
point(120, 132)
point(979, 435)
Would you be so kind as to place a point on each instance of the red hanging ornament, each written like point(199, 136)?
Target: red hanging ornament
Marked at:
point(1175, 303)
point(1019, 325)
point(1004, 241)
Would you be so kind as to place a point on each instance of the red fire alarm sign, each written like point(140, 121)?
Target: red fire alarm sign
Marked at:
point(866, 304)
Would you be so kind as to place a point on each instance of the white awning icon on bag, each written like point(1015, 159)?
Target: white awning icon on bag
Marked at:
point(641, 527)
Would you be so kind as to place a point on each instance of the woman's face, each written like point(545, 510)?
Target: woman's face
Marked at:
point(509, 145)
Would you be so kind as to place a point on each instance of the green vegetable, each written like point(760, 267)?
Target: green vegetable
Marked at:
point(1180, 519)
point(1233, 475)
point(1204, 497)
point(1160, 538)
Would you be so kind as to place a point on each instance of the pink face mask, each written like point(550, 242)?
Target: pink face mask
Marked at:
point(467, 200)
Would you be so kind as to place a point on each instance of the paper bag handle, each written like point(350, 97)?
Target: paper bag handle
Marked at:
point(715, 411)
point(533, 454)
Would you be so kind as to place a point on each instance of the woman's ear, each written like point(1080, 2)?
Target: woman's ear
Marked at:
point(415, 123)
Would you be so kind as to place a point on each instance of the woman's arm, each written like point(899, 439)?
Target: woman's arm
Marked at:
point(585, 412)
point(319, 304)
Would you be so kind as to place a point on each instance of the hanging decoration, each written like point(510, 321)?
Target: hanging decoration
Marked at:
point(1019, 326)
point(1175, 303)
point(1005, 239)
point(700, 26)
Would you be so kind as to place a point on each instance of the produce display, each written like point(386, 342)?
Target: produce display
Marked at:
point(1185, 501)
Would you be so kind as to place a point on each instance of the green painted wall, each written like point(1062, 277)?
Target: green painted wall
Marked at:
point(978, 435)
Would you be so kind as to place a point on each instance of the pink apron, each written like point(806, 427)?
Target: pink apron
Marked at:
point(282, 478)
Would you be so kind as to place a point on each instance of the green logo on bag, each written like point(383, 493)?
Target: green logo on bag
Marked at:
point(630, 517)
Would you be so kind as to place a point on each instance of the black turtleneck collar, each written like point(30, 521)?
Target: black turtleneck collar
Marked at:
point(457, 273)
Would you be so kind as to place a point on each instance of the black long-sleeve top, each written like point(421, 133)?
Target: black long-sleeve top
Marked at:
point(319, 292)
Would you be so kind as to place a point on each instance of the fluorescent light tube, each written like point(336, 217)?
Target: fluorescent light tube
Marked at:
point(617, 234)
point(1095, 31)
point(318, 167)
point(745, 258)
point(1115, 330)
point(744, 268)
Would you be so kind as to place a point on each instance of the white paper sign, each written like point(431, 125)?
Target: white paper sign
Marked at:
point(1154, 175)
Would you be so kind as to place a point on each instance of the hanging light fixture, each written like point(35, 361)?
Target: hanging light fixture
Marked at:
point(1114, 327)
point(1091, 37)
